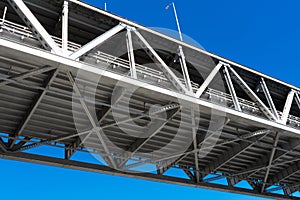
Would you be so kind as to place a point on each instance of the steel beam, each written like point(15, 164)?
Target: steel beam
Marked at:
point(287, 106)
point(231, 154)
point(77, 165)
point(3, 146)
point(21, 144)
point(33, 53)
point(276, 139)
point(110, 160)
point(151, 130)
point(285, 173)
point(185, 70)
point(25, 75)
point(97, 41)
point(106, 110)
point(163, 66)
point(131, 54)
point(200, 140)
point(252, 95)
point(34, 105)
point(290, 190)
point(37, 29)
point(65, 27)
point(269, 98)
point(195, 145)
point(231, 89)
point(210, 77)
point(45, 142)
point(263, 162)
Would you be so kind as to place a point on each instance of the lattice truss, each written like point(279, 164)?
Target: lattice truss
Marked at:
point(50, 51)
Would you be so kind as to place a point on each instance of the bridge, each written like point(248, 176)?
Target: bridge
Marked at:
point(79, 80)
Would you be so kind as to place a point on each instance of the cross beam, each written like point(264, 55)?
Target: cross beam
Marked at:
point(106, 110)
point(110, 160)
point(151, 130)
point(276, 139)
point(263, 163)
point(34, 105)
point(26, 74)
point(232, 153)
point(285, 173)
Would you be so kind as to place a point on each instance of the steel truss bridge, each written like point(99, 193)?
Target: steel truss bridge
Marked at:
point(216, 119)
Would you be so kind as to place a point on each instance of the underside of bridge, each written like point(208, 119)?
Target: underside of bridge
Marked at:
point(76, 80)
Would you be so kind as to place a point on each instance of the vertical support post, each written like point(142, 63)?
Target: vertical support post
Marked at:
point(185, 70)
point(231, 89)
point(269, 98)
point(197, 174)
point(4, 15)
point(65, 24)
point(131, 54)
point(287, 106)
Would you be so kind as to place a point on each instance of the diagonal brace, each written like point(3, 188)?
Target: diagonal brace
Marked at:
point(38, 30)
point(92, 121)
point(163, 66)
point(97, 41)
point(27, 74)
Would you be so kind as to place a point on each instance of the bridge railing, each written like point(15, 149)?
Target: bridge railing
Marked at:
point(145, 73)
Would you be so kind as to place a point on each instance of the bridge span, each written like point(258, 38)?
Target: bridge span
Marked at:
point(77, 80)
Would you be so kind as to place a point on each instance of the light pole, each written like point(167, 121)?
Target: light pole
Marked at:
point(181, 54)
point(176, 17)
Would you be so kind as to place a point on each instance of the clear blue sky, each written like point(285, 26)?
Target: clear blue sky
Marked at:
point(264, 35)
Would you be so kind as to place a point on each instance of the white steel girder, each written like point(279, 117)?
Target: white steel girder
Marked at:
point(252, 95)
point(231, 89)
point(37, 29)
point(163, 66)
point(208, 80)
point(269, 98)
point(185, 70)
point(34, 53)
point(97, 41)
point(65, 27)
point(287, 106)
point(131, 54)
